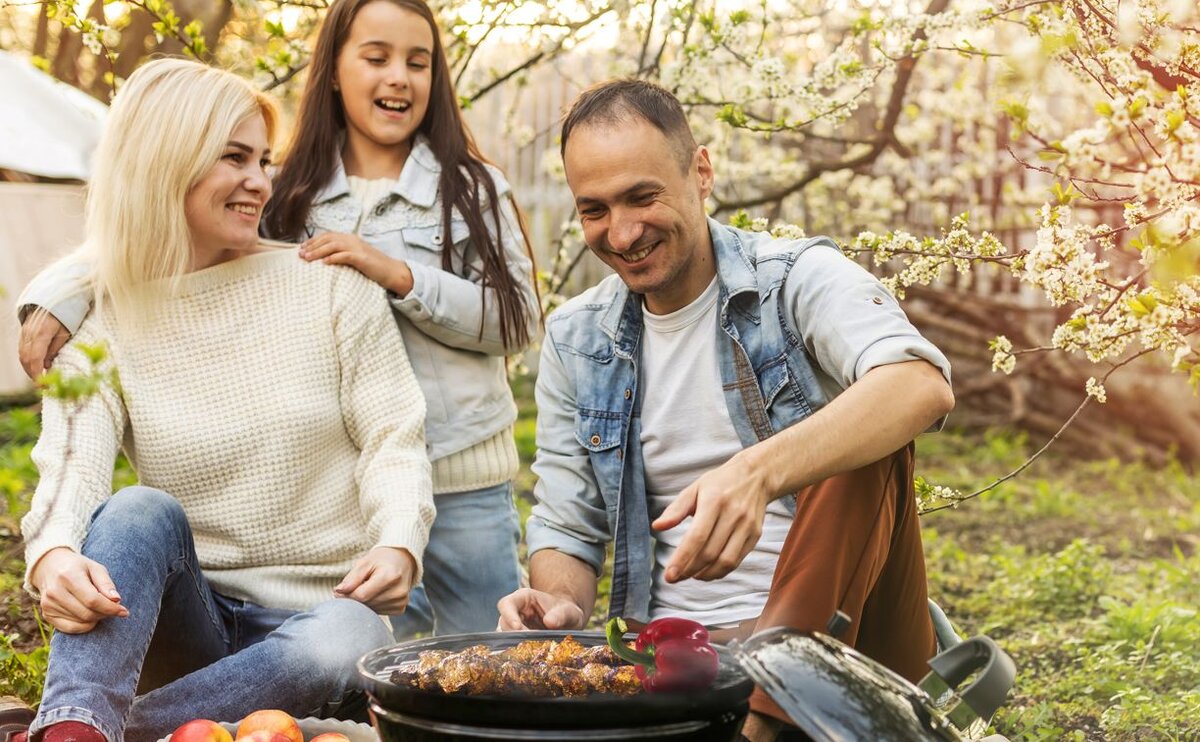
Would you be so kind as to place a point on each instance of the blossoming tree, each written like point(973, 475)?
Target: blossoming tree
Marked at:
point(1025, 173)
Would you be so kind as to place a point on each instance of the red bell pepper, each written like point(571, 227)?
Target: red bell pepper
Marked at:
point(672, 655)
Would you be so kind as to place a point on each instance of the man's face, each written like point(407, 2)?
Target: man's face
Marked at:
point(642, 214)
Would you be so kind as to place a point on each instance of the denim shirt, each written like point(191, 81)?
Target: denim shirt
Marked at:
point(591, 482)
point(463, 375)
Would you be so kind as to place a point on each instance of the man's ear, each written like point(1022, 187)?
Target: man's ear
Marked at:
point(705, 177)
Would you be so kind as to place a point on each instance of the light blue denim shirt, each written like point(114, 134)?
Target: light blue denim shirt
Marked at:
point(462, 374)
point(798, 323)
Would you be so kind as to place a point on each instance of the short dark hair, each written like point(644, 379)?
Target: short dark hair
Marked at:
point(617, 101)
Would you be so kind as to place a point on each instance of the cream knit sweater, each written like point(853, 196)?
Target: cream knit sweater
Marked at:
point(273, 398)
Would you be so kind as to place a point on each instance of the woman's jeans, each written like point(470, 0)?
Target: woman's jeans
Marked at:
point(198, 654)
point(470, 564)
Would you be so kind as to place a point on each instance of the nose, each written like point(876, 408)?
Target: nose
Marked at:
point(258, 181)
point(397, 74)
point(624, 230)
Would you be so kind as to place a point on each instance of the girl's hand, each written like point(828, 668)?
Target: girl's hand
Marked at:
point(77, 593)
point(335, 248)
point(382, 580)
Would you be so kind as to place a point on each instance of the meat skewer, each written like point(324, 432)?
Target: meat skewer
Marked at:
point(534, 668)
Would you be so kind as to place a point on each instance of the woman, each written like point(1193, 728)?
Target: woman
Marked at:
point(275, 427)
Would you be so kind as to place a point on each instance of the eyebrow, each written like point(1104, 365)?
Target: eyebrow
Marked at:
point(641, 185)
point(245, 147)
point(386, 45)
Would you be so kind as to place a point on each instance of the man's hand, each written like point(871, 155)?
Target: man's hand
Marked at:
point(77, 593)
point(42, 336)
point(382, 580)
point(728, 505)
point(533, 609)
point(336, 248)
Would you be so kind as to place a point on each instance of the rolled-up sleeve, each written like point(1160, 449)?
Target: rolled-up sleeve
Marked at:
point(570, 515)
point(849, 322)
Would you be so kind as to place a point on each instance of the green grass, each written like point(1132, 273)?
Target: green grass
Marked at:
point(1088, 573)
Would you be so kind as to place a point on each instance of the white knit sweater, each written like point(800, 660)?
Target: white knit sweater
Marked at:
point(273, 398)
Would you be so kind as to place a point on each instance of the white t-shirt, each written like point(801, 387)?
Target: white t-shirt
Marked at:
point(686, 431)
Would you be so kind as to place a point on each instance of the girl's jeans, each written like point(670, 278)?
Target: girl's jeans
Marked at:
point(470, 564)
point(198, 654)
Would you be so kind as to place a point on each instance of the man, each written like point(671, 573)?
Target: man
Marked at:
point(685, 400)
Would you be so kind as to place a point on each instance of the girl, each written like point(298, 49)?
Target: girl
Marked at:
point(275, 426)
point(383, 175)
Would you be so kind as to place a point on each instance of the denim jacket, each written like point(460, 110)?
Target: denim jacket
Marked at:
point(462, 375)
point(591, 483)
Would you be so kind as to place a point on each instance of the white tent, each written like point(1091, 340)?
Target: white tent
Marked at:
point(47, 128)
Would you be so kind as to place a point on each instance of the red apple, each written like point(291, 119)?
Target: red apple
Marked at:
point(330, 737)
point(262, 735)
point(270, 720)
point(201, 730)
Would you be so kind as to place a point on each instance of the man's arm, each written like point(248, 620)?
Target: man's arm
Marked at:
point(568, 527)
point(561, 595)
point(895, 385)
point(877, 415)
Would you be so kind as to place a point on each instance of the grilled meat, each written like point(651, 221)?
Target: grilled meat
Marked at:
point(535, 668)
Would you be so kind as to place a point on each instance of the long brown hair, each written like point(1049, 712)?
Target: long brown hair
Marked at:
point(314, 151)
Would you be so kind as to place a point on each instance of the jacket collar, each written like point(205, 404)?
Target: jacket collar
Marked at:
point(417, 184)
point(622, 321)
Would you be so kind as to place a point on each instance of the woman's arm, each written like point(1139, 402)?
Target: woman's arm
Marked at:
point(74, 455)
point(384, 414)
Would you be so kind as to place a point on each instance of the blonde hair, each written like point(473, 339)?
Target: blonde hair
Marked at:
point(168, 126)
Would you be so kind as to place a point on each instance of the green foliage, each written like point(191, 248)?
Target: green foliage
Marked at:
point(1087, 573)
point(22, 673)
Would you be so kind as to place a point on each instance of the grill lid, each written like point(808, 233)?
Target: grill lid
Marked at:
point(833, 692)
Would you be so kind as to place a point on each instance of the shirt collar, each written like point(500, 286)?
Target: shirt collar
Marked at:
point(417, 184)
point(735, 275)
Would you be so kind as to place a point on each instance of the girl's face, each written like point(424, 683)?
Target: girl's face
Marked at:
point(224, 206)
point(383, 74)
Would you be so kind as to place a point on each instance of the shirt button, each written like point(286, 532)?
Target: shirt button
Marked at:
point(380, 210)
point(628, 394)
point(878, 300)
point(437, 239)
point(595, 440)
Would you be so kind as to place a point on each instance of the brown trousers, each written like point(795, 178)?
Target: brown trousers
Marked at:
point(855, 545)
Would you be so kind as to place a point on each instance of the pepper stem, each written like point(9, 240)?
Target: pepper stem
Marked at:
point(614, 630)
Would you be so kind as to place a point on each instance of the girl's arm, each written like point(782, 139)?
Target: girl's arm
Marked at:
point(448, 307)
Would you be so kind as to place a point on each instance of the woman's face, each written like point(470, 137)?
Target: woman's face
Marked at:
point(383, 74)
point(223, 208)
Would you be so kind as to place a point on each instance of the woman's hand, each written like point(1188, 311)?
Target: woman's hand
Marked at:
point(77, 593)
point(382, 580)
point(335, 248)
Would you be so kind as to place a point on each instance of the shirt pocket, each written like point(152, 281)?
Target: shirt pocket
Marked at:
point(426, 243)
point(785, 401)
point(601, 433)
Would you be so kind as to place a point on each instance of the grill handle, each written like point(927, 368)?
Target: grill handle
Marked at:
point(988, 691)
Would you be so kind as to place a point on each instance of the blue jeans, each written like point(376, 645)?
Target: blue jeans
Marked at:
point(199, 654)
point(470, 564)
